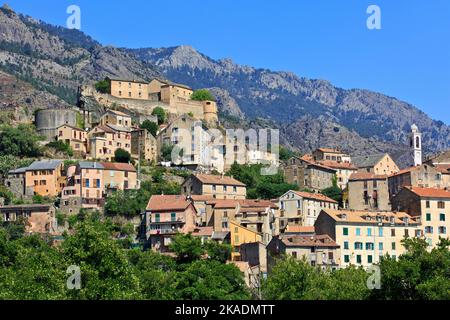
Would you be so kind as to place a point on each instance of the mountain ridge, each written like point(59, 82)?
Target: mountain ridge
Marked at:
point(55, 61)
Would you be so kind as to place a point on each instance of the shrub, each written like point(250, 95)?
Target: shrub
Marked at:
point(202, 95)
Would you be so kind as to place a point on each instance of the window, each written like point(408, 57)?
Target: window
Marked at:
point(406, 233)
point(428, 216)
point(345, 231)
point(298, 206)
point(234, 189)
point(380, 246)
point(442, 230)
point(358, 258)
point(369, 246)
point(214, 187)
point(393, 245)
point(380, 232)
point(369, 232)
point(173, 217)
point(441, 205)
point(157, 217)
point(294, 254)
point(392, 232)
point(358, 245)
point(428, 229)
point(442, 217)
point(369, 259)
point(346, 258)
point(427, 204)
point(358, 231)
point(346, 245)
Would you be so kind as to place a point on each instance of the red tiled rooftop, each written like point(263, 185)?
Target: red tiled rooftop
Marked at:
point(430, 192)
point(167, 203)
point(299, 229)
point(338, 165)
point(315, 196)
point(118, 166)
point(219, 180)
point(322, 240)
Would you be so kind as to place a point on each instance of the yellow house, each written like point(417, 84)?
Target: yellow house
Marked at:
point(129, 89)
point(240, 235)
point(73, 136)
point(431, 206)
point(378, 164)
point(366, 236)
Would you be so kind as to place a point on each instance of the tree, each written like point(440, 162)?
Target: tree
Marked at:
point(150, 126)
point(218, 251)
point(211, 280)
point(61, 146)
point(166, 152)
point(160, 113)
point(105, 270)
point(121, 155)
point(334, 192)
point(9, 162)
point(418, 274)
point(124, 203)
point(187, 248)
point(202, 95)
point(285, 153)
point(103, 86)
point(19, 142)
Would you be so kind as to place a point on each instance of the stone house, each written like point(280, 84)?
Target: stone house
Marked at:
point(216, 186)
point(319, 250)
point(308, 174)
point(73, 136)
point(302, 208)
point(41, 218)
point(144, 144)
point(116, 118)
point(368, 191)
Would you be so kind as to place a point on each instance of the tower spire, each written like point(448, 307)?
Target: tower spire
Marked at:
point(416, 145)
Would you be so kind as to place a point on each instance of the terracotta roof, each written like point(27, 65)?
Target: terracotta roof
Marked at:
point(322, 240)
point(220, 180)
point(167, 203)
point(315, 196)
point(292, 228)
point(203, 231)
point(118, 166)
point(330, 150)
point(307, 157)
point(223, 203)
point(257, 203)
point(430, 192)
point(70, 126)
point(366, 176)
point(403, 171)
point(443, 168)
point(368, 217)
point(105, 128)
point(338, 165)
point(316, 164)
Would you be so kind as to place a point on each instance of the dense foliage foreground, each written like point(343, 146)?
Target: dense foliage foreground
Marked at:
point(30, 268)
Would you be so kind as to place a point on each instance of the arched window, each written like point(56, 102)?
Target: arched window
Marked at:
point(417, 142)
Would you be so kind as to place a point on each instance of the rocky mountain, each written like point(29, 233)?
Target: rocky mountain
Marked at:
point(50, 62)
point(311, 112)
point(57, 60)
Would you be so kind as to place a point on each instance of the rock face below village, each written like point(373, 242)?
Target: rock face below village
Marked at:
point(53, 61)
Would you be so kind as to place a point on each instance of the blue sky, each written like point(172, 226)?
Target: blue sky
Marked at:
point(409, 58)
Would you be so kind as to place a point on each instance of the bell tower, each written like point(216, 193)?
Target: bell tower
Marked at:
point(416, 145)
